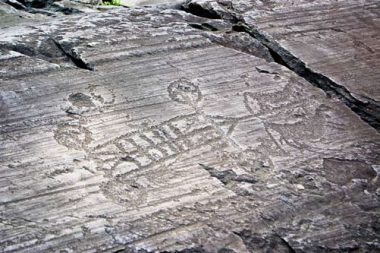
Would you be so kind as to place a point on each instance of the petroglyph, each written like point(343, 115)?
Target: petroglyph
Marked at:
point(80, 100)
point(251, 103)
point(94, 100)
point(127, 160)
point(158, 143)
point(124, 160)
point(103, 96)
point(177, 142)
point(184, 91)
point(72, 135)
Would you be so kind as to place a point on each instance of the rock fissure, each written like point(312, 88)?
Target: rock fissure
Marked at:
point(270, 242)
point(198, 10)
point(286, 243)
point(180, 143)
point(368, 111)
point(227, 176)
point(74, 56)
point(48, 8)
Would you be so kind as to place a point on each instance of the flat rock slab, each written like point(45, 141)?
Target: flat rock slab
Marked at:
point(131, 130)
point(337, 39)
point(334, 39)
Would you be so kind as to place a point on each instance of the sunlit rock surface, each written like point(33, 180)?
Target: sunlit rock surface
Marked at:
point(333, 44)
point(155, 130)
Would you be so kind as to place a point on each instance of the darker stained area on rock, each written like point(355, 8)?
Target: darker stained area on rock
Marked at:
point(265, 243)
point(43, 48)
point(81, 100)
point(46, 7)
point(198, 10)
point(342, 172)
point(227, 176)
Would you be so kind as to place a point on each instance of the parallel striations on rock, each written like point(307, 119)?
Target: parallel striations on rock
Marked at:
point(332, 44)
point(174, 142)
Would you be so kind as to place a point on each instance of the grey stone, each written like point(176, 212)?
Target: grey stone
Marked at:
point(133, 130)
point(330, 43)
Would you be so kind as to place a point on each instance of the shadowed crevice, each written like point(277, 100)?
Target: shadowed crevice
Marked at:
point(75, 57)
point(368, 111)
point(199, 11)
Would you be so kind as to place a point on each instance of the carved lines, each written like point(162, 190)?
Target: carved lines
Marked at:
point(156, 144)
point(72, 136)
point(184, 91)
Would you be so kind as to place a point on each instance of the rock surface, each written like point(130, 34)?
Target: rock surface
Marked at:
point(155, 130)
point(333, 44)
point(134, 3)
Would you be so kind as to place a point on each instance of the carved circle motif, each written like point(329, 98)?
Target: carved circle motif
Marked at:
point(184, 91)
point(72, 136)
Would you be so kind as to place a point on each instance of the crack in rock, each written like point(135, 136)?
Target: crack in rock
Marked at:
point(161, 201)
point(48, 8)
point(48, 49)
point(227, 176)
point(265, 242)
point(368, 111)
point(223, 34)
point(198, 10)
point(75, 57)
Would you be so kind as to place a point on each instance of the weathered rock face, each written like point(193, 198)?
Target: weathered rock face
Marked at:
point(133, 3)
point(154, 130)
point(10, 16)
point(333, 44)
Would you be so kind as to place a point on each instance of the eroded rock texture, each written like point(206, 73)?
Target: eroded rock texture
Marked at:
point(332, 44)
point(156, 130)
